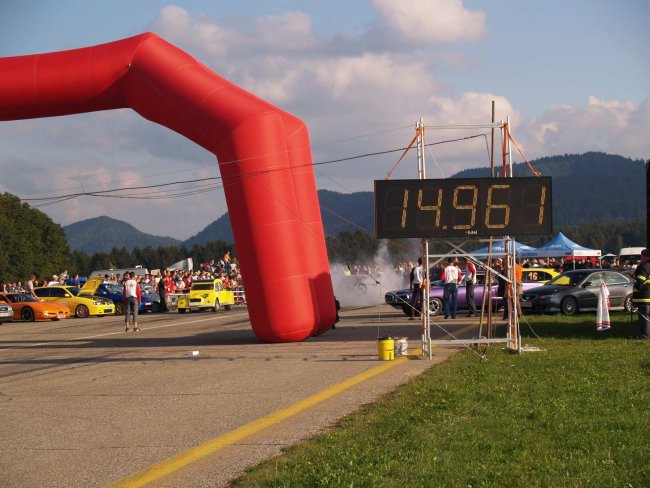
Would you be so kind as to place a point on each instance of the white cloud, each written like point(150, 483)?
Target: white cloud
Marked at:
point(343, 90)
point(612, 126)
point(288, 31)
point(432, 21)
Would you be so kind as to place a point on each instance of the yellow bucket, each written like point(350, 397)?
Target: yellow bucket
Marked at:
point(386, 348)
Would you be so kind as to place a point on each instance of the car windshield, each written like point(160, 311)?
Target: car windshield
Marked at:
point(113, 289)
point(147, 289)
point(202, 286)
point(21, 297)
point(570, 278)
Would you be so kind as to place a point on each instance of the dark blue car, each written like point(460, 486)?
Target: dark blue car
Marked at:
point(150, 299)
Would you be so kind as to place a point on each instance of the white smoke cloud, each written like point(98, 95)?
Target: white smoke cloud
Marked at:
point(367, 288)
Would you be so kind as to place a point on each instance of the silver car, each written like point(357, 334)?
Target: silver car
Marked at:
point(6, 312)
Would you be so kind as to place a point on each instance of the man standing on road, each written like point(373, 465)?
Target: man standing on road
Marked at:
point(162, 291)
point(132, 297)
point(416, 290)
point(451, 278)
point(641, 294)
point(470, 281)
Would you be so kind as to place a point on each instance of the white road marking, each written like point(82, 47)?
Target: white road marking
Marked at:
point(122, 332)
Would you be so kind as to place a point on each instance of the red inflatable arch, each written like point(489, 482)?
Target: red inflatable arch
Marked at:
point(270, 189)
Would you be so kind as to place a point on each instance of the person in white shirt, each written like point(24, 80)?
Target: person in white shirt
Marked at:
point(416, 280)
point(54, 281)
point(451, 277)
point(131, 296)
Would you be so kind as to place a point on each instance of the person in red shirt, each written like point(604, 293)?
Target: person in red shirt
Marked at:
point(227, 283)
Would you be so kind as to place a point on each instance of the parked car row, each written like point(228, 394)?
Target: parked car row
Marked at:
point(97, 299)
point(544, 291)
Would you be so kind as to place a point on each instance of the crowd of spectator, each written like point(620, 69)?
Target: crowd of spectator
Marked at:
point(174, 281)
point(559, 265)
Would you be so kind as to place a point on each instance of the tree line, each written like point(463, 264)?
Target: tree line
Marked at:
point(609, 237)
point(31, 243)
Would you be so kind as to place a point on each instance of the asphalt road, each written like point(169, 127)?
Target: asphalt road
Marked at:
point(85, 404)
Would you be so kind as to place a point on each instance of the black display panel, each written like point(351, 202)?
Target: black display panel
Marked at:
point(463, 207)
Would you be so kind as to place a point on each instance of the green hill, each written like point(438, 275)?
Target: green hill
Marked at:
point(587, 188)
point(590, 187)
point(101, 234)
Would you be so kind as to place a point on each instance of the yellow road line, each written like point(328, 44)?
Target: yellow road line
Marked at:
point(459, 332)
point(178, 461)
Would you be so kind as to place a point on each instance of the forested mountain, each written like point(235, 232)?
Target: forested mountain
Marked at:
point(340, 212)
point(587, 188)
point(219, 229)
point(590, 187)
point(30, 242)
point(102, 234)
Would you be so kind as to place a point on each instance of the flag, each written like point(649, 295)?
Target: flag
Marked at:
point(602, 314)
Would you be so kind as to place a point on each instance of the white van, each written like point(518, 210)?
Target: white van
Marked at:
point(138, 270)
point(629, 257)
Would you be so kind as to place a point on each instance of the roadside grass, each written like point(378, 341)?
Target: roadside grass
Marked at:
point(576, 413)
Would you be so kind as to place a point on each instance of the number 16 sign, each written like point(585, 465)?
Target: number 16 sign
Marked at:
point(462, 207)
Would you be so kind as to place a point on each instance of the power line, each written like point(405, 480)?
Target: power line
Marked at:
point(105, 193)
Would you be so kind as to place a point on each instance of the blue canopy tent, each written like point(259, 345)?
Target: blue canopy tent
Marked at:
point(498, 248)
point(561, 247)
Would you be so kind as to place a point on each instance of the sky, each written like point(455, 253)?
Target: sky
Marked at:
point(573, 76)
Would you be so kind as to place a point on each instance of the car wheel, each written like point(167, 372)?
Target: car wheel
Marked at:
point(27, 315)
point(217, 306)
point(628, 305)
point(182, 310)
point(569, 306)
point(119, 308)
point(81, 312)
point(227, 307)
point(435, 306)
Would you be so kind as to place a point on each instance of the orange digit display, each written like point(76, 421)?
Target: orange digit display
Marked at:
point(432, 208)
point(492, 206)
point(471, 206)
point(462, 207)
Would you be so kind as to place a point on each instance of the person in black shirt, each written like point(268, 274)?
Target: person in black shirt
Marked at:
point(641, 294)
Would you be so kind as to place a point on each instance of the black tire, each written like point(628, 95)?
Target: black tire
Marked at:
point(435, 306)
point(629, 306)
point(27, 315)
point(81, 312)
point(119, 308)
point(217, 306)
point(182, 310)
point(569, 306)
point(227, 307)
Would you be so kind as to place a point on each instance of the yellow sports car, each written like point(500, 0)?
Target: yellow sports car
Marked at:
point(206, 295)
point(81, 305)
point(538, 275)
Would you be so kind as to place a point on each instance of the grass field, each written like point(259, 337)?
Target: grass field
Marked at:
point(576, 413)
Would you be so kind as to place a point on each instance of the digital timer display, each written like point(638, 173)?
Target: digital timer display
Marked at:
point(463, 207)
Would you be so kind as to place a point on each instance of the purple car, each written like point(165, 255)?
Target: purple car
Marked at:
point(401, 298)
